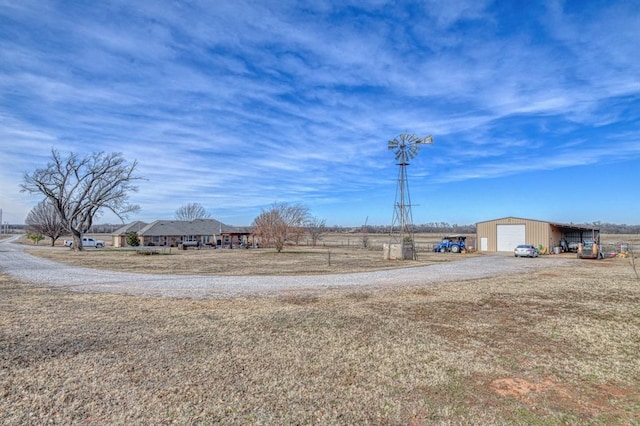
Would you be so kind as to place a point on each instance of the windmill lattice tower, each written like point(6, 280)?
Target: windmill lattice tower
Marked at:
point(406, 148)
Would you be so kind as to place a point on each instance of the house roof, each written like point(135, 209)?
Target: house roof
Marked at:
point(515, 218)
point(133, 226)
point(192, 227)
point(558, 224)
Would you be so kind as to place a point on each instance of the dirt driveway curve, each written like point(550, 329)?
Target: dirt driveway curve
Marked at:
point(34, 270)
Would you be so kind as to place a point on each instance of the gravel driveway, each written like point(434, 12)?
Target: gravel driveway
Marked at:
point(34, 270)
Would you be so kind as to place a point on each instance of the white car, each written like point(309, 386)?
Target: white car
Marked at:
point(525, 250)
point(86, 242)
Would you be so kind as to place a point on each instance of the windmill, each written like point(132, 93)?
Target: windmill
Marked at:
point(406, 148)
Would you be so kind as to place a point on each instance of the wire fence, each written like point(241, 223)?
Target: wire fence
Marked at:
point(427, 242)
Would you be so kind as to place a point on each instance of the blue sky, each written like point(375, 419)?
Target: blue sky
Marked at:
point(534, 107)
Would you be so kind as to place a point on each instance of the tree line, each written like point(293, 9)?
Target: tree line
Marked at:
point(433, 227)
point(613, 228)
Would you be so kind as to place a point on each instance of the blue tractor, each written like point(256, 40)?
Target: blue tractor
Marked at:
point(451, 243)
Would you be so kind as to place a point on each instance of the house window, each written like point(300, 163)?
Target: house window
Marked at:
point(155, 239)
point(206, 239)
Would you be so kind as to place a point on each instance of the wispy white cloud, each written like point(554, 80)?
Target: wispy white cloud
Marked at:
point(245, 103)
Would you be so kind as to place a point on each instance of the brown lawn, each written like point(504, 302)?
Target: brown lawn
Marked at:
point(559, 346)
point(291, 261)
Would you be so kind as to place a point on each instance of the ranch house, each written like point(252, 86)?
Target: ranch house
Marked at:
point(171, 233)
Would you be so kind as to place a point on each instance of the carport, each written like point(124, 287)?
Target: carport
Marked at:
point(571, 235)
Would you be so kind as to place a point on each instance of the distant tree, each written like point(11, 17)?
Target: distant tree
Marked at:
point(364, 233)
point(279, 224)
point(613, 228)
point(36, 238)
point(44, 219)
point(81, 188)
point(364, 238)
point(132, 239)
point(316, 228)
point(191, 211)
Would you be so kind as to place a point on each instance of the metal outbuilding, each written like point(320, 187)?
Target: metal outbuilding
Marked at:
point(506, 233)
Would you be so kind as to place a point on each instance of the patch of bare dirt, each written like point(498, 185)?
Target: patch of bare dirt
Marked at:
point(519, 388)
point(605, 399)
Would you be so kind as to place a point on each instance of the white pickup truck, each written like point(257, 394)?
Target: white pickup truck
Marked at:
point(86, 242)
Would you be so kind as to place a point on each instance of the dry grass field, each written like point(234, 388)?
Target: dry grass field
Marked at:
point(336, 253)
point(291, 261)
point(559, 346)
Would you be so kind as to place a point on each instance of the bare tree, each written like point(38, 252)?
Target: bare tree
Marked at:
point(81, 188)
point(316, 228)
point(294, 217)
point(267, 227)
point(281, 223)
point(365, 234)
point(191, 211)
point(44, 219)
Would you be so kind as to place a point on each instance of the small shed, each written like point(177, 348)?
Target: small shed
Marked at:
point(503, 235)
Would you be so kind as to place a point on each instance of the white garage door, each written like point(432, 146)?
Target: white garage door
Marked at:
point(509, 236)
